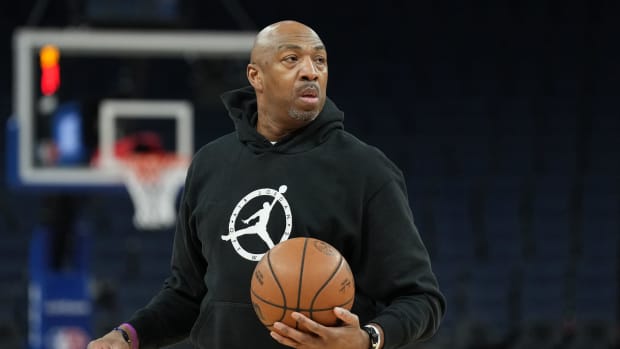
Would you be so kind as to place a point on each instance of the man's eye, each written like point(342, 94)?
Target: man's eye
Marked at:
point(290, 59)
point(321, 60)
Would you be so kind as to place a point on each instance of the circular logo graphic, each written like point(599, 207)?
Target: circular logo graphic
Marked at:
point(256, 224)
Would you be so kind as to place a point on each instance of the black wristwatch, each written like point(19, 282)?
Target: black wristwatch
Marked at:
point(375, 336)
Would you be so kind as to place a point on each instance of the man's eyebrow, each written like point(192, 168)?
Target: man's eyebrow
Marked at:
point(297, 47)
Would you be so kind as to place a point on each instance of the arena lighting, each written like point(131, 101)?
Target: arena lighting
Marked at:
point(50, 69)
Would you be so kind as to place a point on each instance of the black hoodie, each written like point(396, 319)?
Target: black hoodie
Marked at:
point(321, 182)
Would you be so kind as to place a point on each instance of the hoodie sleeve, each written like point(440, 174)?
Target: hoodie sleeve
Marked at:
point(170, 315)
point(397, 271)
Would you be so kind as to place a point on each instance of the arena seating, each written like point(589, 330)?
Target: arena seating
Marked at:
point(508, 140)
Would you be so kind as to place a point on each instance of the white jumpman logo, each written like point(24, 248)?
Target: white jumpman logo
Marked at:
point(260, 227)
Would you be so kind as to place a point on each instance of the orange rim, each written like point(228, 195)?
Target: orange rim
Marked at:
point(148, 167)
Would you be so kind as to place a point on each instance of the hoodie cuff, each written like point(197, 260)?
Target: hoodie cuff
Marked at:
point(392, 330)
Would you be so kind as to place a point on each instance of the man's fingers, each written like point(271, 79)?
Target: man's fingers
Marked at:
point(101, 344)
point(106, 342)
point(283, 340)
point(295, 336)
point(347, 317)
point(307, 324)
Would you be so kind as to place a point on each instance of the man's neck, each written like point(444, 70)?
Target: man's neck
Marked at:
point(274, 131)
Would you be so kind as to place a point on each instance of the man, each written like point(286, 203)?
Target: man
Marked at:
point(331, 186)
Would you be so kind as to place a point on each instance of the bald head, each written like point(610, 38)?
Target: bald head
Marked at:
point(273, 36)
point(288, 71)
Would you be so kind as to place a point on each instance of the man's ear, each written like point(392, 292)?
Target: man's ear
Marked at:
point(255, 77)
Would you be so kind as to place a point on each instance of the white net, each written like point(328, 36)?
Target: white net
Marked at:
point(153, 182)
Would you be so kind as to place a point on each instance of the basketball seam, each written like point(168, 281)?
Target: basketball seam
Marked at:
point(316, 295)
point(301, 277)
point(285, 308)
point(275, 277)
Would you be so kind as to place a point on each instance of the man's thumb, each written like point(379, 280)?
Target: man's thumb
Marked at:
point(346, 316)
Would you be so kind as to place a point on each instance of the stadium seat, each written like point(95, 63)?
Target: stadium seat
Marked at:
point(552, 194)
point(490, 296)
point(601, 195)
point(543, 298)
point(599, 238)
point(425, 157)
point(503, 227)
point(456, 238)
point(558, 137)
point(472, 155)
point(596, 291)
point(552, 236)
point(604, 143)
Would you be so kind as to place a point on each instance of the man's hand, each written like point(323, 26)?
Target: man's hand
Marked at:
point(347, 336)
point(112, 340)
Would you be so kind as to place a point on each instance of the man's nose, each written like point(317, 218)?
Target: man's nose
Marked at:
point(309, 71)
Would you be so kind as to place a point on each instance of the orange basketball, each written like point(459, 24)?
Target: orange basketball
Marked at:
point(305, 275)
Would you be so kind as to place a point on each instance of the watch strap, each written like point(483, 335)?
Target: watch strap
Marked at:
point(375, 336)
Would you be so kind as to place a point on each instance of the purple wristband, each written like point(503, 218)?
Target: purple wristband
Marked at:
point(135, 342)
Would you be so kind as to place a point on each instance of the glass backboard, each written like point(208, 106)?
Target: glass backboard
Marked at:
point(81, 96)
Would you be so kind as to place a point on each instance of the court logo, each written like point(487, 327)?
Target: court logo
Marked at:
point(257, 223)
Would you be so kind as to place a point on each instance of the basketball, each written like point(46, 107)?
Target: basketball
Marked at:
point(304, 275)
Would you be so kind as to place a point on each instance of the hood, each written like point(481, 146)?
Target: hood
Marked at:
point(242, 109)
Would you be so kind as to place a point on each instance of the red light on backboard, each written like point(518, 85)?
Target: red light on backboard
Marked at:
point(50, 69)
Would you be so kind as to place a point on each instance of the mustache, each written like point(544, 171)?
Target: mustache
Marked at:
point(307, 86)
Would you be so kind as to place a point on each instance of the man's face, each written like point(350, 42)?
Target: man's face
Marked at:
point(295, 76)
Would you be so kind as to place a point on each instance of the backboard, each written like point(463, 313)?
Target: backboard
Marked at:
point(83, 96)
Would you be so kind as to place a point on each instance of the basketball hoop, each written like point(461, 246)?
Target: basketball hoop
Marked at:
point(153, 181)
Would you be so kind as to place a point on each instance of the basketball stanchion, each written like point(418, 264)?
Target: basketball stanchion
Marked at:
point(153, 181)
